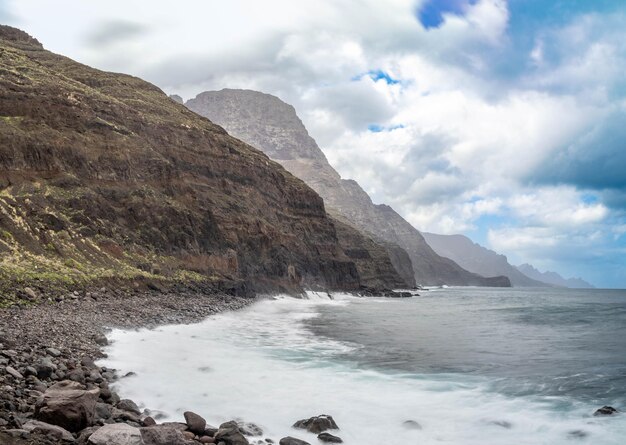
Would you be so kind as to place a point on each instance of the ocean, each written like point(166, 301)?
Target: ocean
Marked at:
point(468, 365)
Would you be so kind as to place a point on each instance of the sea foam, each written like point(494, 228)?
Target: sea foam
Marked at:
point(262, 365)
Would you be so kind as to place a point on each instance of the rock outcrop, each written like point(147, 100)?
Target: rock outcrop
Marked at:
point(103, 177)
point(271, 125)
point(374, 261)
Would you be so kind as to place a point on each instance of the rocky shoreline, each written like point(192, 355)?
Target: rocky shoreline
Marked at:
point(51, 347)
point(53, 392)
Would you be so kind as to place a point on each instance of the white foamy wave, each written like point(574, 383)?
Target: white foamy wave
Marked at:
point(264, 366)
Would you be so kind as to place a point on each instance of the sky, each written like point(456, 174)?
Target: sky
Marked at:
point(502, 120)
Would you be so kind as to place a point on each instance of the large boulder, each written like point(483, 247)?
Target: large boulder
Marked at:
point(163, 435)
point(116, 434)
point(317, 424)
point(60, 434)
point(128, 405)
point(292, 441)
point(103, 411)
point(230, 434)
point(125, 416)
point(195, 423)
point(68, 405)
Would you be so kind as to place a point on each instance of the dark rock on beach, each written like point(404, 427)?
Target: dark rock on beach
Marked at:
point(195, 423)
point(163, 435)
point(34, 426)
point(230, 434)
point(176, 425)
point(606, 411)
point(69, 405)
point(411, 425)
point(502, 423)
point(128, 405)
point(292, 441)
point(577, 434)
point(250, 429)
point(329, 438)
point(317, 424)
point(116, 434)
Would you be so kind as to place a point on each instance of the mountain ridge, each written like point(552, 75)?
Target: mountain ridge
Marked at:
point(554, 278)
point(476, 258)
point(274, 127)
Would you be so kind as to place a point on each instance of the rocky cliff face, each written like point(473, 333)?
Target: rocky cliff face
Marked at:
point(103, 176)
point(372, 260)
point(266, 122)
point(478, 259)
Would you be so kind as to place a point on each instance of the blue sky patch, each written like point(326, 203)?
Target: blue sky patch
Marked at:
point(377, 75)
point(376, 128)
point(431, 13)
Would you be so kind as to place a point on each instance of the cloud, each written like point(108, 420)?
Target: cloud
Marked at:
point(557, 207)
point(595, 160)
point(563, 228)
point(115, 31)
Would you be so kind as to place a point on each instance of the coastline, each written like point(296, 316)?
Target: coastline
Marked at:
point(69, 335)
point(285, 359)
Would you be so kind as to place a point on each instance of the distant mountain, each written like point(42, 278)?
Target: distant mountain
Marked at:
point(554, 278)
point(273, 126)
point(478, 259)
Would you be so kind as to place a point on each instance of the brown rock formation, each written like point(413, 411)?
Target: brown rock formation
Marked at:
point(372, 260)
point(102, 175)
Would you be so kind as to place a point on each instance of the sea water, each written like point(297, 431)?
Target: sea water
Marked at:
point(469, 365)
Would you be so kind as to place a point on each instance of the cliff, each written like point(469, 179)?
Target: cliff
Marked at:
point(478, 259)
point(373, 261)
point(103, 177)
point(273, 126)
